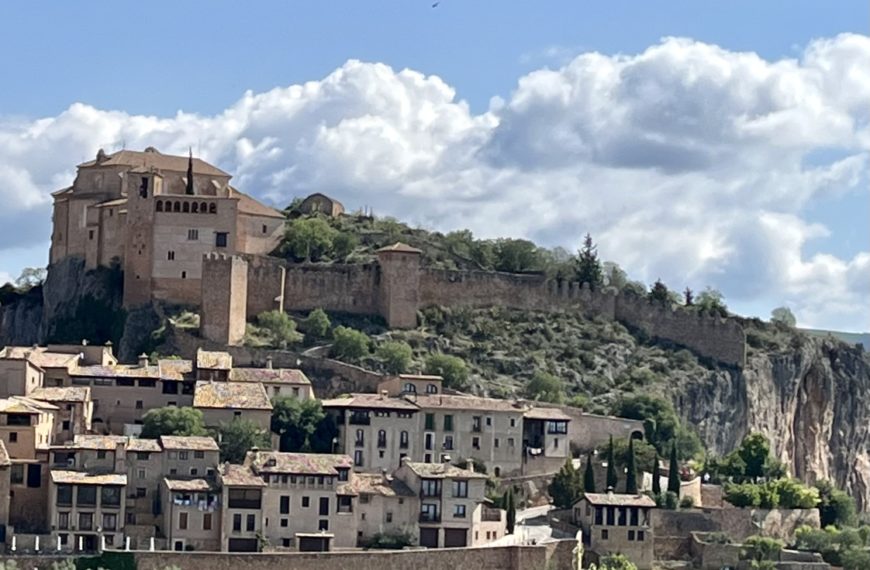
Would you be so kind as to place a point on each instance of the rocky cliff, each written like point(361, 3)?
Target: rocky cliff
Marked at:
point(811, 399)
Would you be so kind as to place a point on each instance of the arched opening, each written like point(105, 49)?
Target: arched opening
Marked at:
point(203, 208)
point(185, 207)
point(194, 208)
point(431, 389)
point(159, 205)
point(637, 434)
point(212, 208)
point(409, 387)
point(176, 206)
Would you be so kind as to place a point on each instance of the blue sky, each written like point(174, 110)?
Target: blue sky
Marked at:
point(152, 60)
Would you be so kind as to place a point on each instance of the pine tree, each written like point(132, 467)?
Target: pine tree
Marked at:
point(673, 471)
point(511, 508)
point(631, 476)
point(564, 489)
point(589, 476)
point(656, 477)
point(612, 479)
point(588, 265)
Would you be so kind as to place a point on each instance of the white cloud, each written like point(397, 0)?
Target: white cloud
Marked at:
point(686, 162)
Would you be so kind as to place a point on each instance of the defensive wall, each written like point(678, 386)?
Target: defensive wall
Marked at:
point(557, 555)
point(396, 287)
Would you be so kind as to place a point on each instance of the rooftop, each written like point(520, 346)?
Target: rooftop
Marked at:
point(143, 445)
point(174, 368)
point(22, 405)
point(619, 500)
point(96, 442)
point(4, 455)
point(269, 375)
point(549, 414)
point(79, 478)
point(213, 360)
point(231, 395)
point(376, 484)
point(370, 401)
point(250, 206)
point(442, 471)
point(191, 485)
point(190, 442)
point(297, 463)
point(152, 158)
point(117, 371)
point(429, 377)
point(39, 356)
point(62, 394)
point(239, 476)
point(456, 402)
point(399, 247)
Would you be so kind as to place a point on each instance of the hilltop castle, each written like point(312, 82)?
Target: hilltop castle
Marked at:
point(156, 215)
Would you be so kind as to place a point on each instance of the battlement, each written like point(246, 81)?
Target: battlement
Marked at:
point(396, 287)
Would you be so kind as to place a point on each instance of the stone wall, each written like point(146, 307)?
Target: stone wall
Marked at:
point(396, 288)
point(738, 524)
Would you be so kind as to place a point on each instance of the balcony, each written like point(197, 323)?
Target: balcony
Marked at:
point(430, 494)
point(430, 518)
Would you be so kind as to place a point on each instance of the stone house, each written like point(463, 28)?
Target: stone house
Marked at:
point(223, 402)
point(385, 505)
point(242, 499)
point(75, 410)
point(546, 443)
point(318, 203)
point(191, 513)
point(617, 523)
point(289, 382)
point(410, 384)
point(26, 425)
point(87, 509)
point(156, 215)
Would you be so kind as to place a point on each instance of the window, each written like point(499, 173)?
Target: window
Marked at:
point(306, 502)
point(324, 506)
point(206, 521)
point(90, 234)
point(251, 523)
point(610, 516)
point(389, 517)
point(640, 536)
point(192, 235)
point(459, 511)
point(430, 421)
point(345, 504)
point(510, 442)
point(429, 512)
point(244, 498)
point(220, 238)
point(139, 404)
point(409, 387)
point(63, 521)
point(143, 187)
point(476, 423)
point(86, 521)
point(427, 441)
point(194, 471)
point(285, 505)
point(212, 208)
point(495, 442)
point(448, 422)
point(286, 542)
point(358, 458)
point(475, 442)
point(403, 440)
point(65, 425)
point(621, 519)
point(605, 534)
point(170, 255)
point(460, 488)
point(513, 422)
point(382, 438)
point(182, 521)
point(343, 474)
point(13, 437)
point(110, 496)
point(631, 536)
point(237, 522)
point(633, 516)
point(323, 524)
point(17, 478)
point(557, 427)
point(183, 455)
point(265, 228)
point(285, 522)
point(199, 455)
point(555, 442)
point(141, 492)
point(599, 515)
point(86, 495)
point(430, 487)
point(488, 421)
point(360, 438)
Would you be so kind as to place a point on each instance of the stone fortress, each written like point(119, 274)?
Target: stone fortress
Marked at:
point(182, 234)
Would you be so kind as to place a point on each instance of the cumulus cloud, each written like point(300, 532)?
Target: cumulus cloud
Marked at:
point(687, 162)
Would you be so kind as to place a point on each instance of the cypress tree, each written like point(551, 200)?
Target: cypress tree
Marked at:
point(631, 476)
point(656, 476)
point(564, 489)
point(673, 471)
point(511, 508)
point(589, 476)
point(612, 480)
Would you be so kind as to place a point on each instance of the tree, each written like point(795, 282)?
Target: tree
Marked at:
point(343, 245)
point(588, 265)
point(396, 356)
point(836, 508)
point(674, 471)
point(297, 423)
point(308, 239)
point(614, 276)
point(281, 328)
point(754, 450)
point(656, 477)
point(172, 421)
point(511, 508)
point(631, 476)
point(589, 475)
point(783, 316)
point(659, 293)
point(761, 549)
point(316, 324)
point(644, 453)
point(712, 301)
point(793, 494)
point(614, 562)
point(516, 255)
point(239, 436)
point(544, 387)
point(612, 479)
point(451, 368)
point(661, 424)
point(564, 489)
point(349, 344)
point(688, 297)
point(30, 277)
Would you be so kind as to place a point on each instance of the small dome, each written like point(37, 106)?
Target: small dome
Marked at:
point(152, 149)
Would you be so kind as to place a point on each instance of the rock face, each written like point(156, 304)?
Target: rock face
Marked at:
point(812, 402)
point(21, 322)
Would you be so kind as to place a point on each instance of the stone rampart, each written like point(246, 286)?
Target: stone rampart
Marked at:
point(363, 289)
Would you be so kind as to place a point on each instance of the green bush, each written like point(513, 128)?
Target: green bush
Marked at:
point(451, 368)
point(687, 502)
point(743, 494)
point(349, 344)
point(396, 356)
point(316, 324)
point(280, 327)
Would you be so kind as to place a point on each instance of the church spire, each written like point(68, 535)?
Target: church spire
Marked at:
point(189, 189)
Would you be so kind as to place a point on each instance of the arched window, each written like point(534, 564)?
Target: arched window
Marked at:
point(159, 205)
point(212, 208)
point(176, 206)
point(185, 207)
point(403, 440)
point(360, 438)
point(431, 389)
point(203, 208)
point(382, 438)
point(409, 387)
point(194, 207)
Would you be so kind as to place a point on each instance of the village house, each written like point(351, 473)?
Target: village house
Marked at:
point(385, 506)
point(617, 523)
point(155, 215)
point(223, 402)
point(75, 410)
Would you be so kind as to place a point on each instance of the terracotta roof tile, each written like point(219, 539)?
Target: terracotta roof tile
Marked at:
point(151, 158)
point(376, 484)
point(239, 476)
point(143, 445)
point(174, 369)
point(550, 414)
point(232, 395)
point(269, 375)
point(196, 443)
point(213, 360)
point(80, 478)
point(619, 500)
point(4, 455)
point(22, 405)
point(370, 401)
point(190, 485)
point(442, 471)
point(399, 247)
point(457, 402)
point(62, 394)
point(252, 207)
point(297, 463)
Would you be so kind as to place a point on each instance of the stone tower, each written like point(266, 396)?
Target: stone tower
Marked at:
point(142, 185)
point(223, 312)
point(398, 293)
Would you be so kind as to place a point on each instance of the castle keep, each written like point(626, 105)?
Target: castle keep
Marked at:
point(156, 215)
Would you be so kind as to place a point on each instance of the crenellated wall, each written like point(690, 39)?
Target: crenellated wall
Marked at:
point(396, 287)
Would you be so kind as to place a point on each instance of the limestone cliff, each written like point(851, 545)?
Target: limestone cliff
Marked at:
point(812, 400)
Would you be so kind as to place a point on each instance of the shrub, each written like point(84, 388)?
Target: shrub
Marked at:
point(316, 324)
point(396, 356)
point(671, 500)
point(687, 502)
point(545, 387)
point(743, 495)
point(794, 495)
point(281, 328)
point(451, 368)
point(349, 344)
point(391, 540)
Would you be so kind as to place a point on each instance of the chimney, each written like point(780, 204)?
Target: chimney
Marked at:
point(470, 465)
point(385, 394)
point(143, 360)
point(269, 362)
